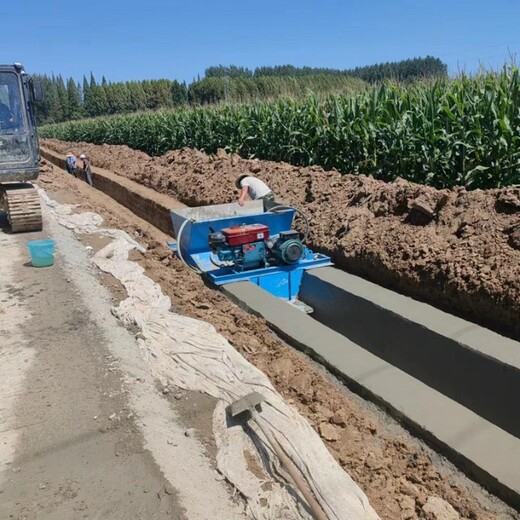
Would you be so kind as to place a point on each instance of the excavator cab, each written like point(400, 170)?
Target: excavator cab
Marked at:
point(19, 153)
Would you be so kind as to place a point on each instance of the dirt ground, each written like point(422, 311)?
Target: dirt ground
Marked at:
point(399, 474)
point(84, 432)
point(64, 426)
point(458, 250)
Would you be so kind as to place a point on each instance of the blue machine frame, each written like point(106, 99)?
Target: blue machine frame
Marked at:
point(192, 227)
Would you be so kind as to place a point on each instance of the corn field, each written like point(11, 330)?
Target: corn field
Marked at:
point(464, 131)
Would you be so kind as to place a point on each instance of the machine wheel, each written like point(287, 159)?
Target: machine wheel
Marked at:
point(24, 210)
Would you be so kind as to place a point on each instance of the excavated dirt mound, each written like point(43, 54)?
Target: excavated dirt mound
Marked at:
point(456, 249)
point(402, 478)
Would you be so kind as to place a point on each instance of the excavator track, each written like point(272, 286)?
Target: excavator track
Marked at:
point(24, 210)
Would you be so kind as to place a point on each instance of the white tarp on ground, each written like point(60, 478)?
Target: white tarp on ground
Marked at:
point(190, 354)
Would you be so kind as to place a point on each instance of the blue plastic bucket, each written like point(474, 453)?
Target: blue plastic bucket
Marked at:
point(42, 252)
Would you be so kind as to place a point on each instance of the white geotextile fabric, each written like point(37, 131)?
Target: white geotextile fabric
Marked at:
point(86, 222)
point(190, 354)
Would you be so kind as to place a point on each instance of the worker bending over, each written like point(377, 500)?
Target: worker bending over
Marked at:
point(70, 163)
point(255, 188)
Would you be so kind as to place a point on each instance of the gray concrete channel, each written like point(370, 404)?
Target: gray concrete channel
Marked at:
point(451, 382)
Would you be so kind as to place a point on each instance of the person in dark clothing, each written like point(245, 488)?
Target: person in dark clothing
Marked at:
point(87, 170)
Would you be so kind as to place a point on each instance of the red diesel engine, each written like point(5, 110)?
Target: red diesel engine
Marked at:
point(251, 247)
point(239, 235)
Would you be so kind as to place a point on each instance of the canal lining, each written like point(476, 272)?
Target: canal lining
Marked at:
point(469, 364)
point(487, 453)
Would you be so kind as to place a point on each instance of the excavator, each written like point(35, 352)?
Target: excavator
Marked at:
point(19, 152)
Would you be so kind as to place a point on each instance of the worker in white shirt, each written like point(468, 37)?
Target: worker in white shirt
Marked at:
point(255, 188)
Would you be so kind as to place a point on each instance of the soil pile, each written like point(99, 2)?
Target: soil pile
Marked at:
point(456, 249)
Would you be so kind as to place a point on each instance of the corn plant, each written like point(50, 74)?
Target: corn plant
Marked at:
point(464, 131)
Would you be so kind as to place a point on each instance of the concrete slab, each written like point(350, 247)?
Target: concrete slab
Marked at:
point(447, 353)
point(484, 451)
point(479, 338)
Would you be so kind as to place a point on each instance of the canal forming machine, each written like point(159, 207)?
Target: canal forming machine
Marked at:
point(230, 243)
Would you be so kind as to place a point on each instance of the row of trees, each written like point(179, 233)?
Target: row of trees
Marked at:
point(404, 70)
point(67, 100)
point(246, 89)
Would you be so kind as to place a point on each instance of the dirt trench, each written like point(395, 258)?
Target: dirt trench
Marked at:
point(458, 250)
point(399, 474)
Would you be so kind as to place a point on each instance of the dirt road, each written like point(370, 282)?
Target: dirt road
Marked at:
point(399, 474)
point(84, 432)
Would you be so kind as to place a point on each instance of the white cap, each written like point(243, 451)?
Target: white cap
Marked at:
point(82, 156)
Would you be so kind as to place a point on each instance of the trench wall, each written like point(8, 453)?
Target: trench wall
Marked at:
point(154, 208)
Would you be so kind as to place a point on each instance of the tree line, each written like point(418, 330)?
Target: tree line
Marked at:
point(403, 70)
point(215, 89)
point(66, 100)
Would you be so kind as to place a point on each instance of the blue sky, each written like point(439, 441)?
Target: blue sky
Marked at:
point(140, 39)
